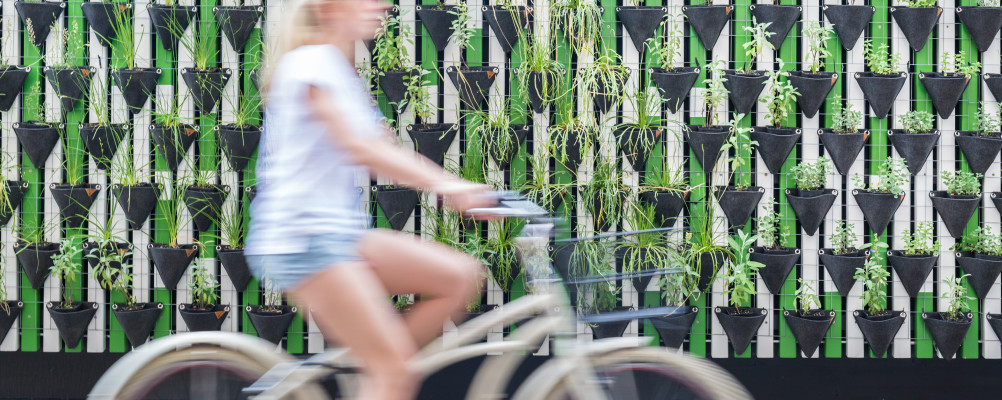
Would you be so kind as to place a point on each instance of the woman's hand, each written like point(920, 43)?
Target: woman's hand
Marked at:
point(463, 195)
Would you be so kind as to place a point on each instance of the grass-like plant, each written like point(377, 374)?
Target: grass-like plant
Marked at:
point(495, 130)
point(921, 241)
point(572, 128)
point(580, 20)
point(541, 187)
point(505, 252)
point(173, 212)
point(603, 195)
point(201, 44)
point(645, 121)
point(664, 176)
point(605, 77)
point(677, 287)
point(644, 250)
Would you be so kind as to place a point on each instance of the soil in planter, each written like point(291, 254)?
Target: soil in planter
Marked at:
point(879, 330)
point(172, 143)
point(204, 204)
point(397, 204)
point(813, 89)
point(72, 322)
point(740, 324)
point(912, 270)
point(271, 325)
point(11, 84)
point(15, 193)
point(979, 151)
point(169, 22)
point(203, 320)
point(811, 208)
point(775, 145)
point(916, 23)
point(982, 23)
point(668, 204)
point(780, 19)
point(138, 202)
point(947, 334)
point(138, 323)
point(744, 89)
point(473, 84)
point(641, 22)
point(238, 143)
point(706, 142)
point(235, 263)
point(136, 85)
point(955, 210)
point(35, 261)
point(944, 90)
point(171, 262)
point(915, 148)
point(673, 328)
point(984, 271)
point(8, 317)
point(809, 329)
point(438, 21)
point(842, 267)
point(237, 23)
point(674, 84)
point(778, 264)
point(74, 201)
point(848, 21)
point(39, 18)
point(708, 21)
point(880, 90)
point(738, 205)
point(102, 142)
point(206, 86)
point(70, 84)
point(878, 208)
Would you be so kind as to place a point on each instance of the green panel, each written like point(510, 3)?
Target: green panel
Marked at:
point(787, 299)
point(76, 157)
point(877, 146)
point(923, 342)
point(742, 177)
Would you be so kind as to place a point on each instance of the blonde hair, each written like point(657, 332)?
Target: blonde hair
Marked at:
point(299, 26)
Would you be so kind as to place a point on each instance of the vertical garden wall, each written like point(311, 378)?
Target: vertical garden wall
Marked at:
point(596, 109)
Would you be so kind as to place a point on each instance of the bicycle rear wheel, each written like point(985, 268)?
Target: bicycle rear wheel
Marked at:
point(204, 372)
point(635, 374)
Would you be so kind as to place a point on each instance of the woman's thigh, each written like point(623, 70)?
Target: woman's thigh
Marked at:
point(406, 264)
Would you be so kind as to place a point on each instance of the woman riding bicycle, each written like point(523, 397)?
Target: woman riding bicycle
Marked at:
point(308, 233)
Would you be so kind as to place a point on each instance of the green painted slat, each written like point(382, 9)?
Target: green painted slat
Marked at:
point(252, 295)
point(77, 158)
point(923, 341)
point(742, 177)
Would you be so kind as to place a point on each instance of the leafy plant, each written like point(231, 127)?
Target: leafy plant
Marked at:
point(738, 284)
point(603, 195)
point(846, 119)
point(807, 298)
point(665, 176)
point(811, 175)
point(666, 49)
point(463, 31)
point(844, 238)
point(780, 98)
point(66, 267)
point(921, 241)
point(769, 229)
point(742, 145)
point(879, 60)
point(760, 35)
point(962, 183)
point(874, 277)
point(980, 241)
point(988, 122)
point(816, 36)
point(956, 298)
point(891, 177)
point(916, 121)
point(203, 287)
point(920, 3)
point(988, 3)
point(678, 286)
point(957, 63)
point(418, 96)
point(715, 95)
point(390, 47)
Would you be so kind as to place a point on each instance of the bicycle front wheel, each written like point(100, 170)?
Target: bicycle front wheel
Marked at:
point(635, 374)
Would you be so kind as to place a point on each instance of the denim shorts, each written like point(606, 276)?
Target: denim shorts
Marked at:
point(288, 271)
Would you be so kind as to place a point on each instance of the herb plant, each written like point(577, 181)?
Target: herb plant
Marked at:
point(962, 183)
point(981, 241)
point(988, 3)
point(418, 96)
point(891, 177)
point(715, 94)
point(956, 298)
point(921, 241)
point(846, 119)
point(678, 286)
point(738, 284)
point(916, 121)
point(957, 63)
point(988, 122)
point(203, 287)
point(780, 97)
point(879, 60)
point(816, 36)
point(844, 238)
point(807, 298)
point(759, 41)
point(66, 267)
point(769, 229)
point(742, 145)
point(811, 175)
point(874, 277)
point(920, 3)
point(667, 49)
point(390, 48)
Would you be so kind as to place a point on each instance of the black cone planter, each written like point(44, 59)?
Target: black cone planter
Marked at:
point(782, 19)
point(72, 322)
point(674, 327)
point(473, 84)
point(137, 85)
point(37, 140)
point(740, 324)
point(138, 324)
point(39, 18)
point(70, 84)
point(91, 249)
point(979, 151)
point(916, 23)
point(203, 320)
point(997, 200)
point(744, 89)
point(915, 148)
point(879, 330)
point(810, 329)
point(946, 334)
point(709, 263)
point(842, 267)
point(912, 269)
point(137, 202)
point(738, 205)
point(503, 159)
point(674, 84)
point(101, 17)
point(603, 99)
point(393, 84)
point(238, 143)
point(811, 210)
point(570, 145)
point(983, 23)
point(7, 318)
point(397, 204)
point(775, 144)
point(706, 143)
point(173, 142)
point(955, 210)
point(171, 262)
point(15, 193)
point(984, 271)
point(11, 83)
point(235, 263)
point(880, 90)
point(432, 140)
point(271, 326)
point(944, 90)
point(624, 257)
point(538, 82)
point(813, 89)
point(667, 204)
point(878, 208)
point(206, 86)
point(438, 22)
point(848, 21)
point(610, 329)
point(631, 144)
point(169, 22)
point(994, 83)
point(602, 221)
point(708, 22)
point(74, 201)
point(494, 264)
point(251, 193)
point(995, 321)
point(237, 23)
point(35, 261)
point(204, 204)
point(778, 264)
point(641, 22)
point(506, 23)
point(102, 142)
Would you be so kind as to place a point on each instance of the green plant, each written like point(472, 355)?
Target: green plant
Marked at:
point(537, 58)
point(232, 227)
point(66, 267)
point(505, 252)
point(988, 3)
point(538, 187)
point(127, 47)
point(715, 95)
point(666, 176)
point(572, 130)
point(879, 60)
point(921, 241)
point(738, 284)
point(957, 63)
point(962, 183)
point(644, 250)
point(920, 3)
point(781, 97)
point(273, 298)
point(247, 112)
point(811, 175)
point(202, 287)
point(201, 44)
point(843, 239)
point(97, 99)
point(916, 121)
point(124, 169)
point(580, 20)
point(846, 119)
point(390, 47)
point(666, 49)
point(769, 228)
point(678, 286)
point(70, 50)
point(874, 277)
point(603, 195)
point(8, 162)
point(441, 224)
point(891, 177)
point(463, 31)
point(816, 36)
point(980, 241)
point(172, 211)
point(742, 145)
point(760, 35)
point(956, 298)
point(106, 253)
point(3, 292)
point(988, 122)
point(605, 77)
point(418, 96)
point(644, 120)
point(807, 298)
point(71, 164)
point(495, 130)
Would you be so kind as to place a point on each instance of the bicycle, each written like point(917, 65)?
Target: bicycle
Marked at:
point(228, 365)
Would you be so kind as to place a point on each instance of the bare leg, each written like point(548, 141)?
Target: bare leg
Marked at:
point(353, 307)
point(445, 278)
